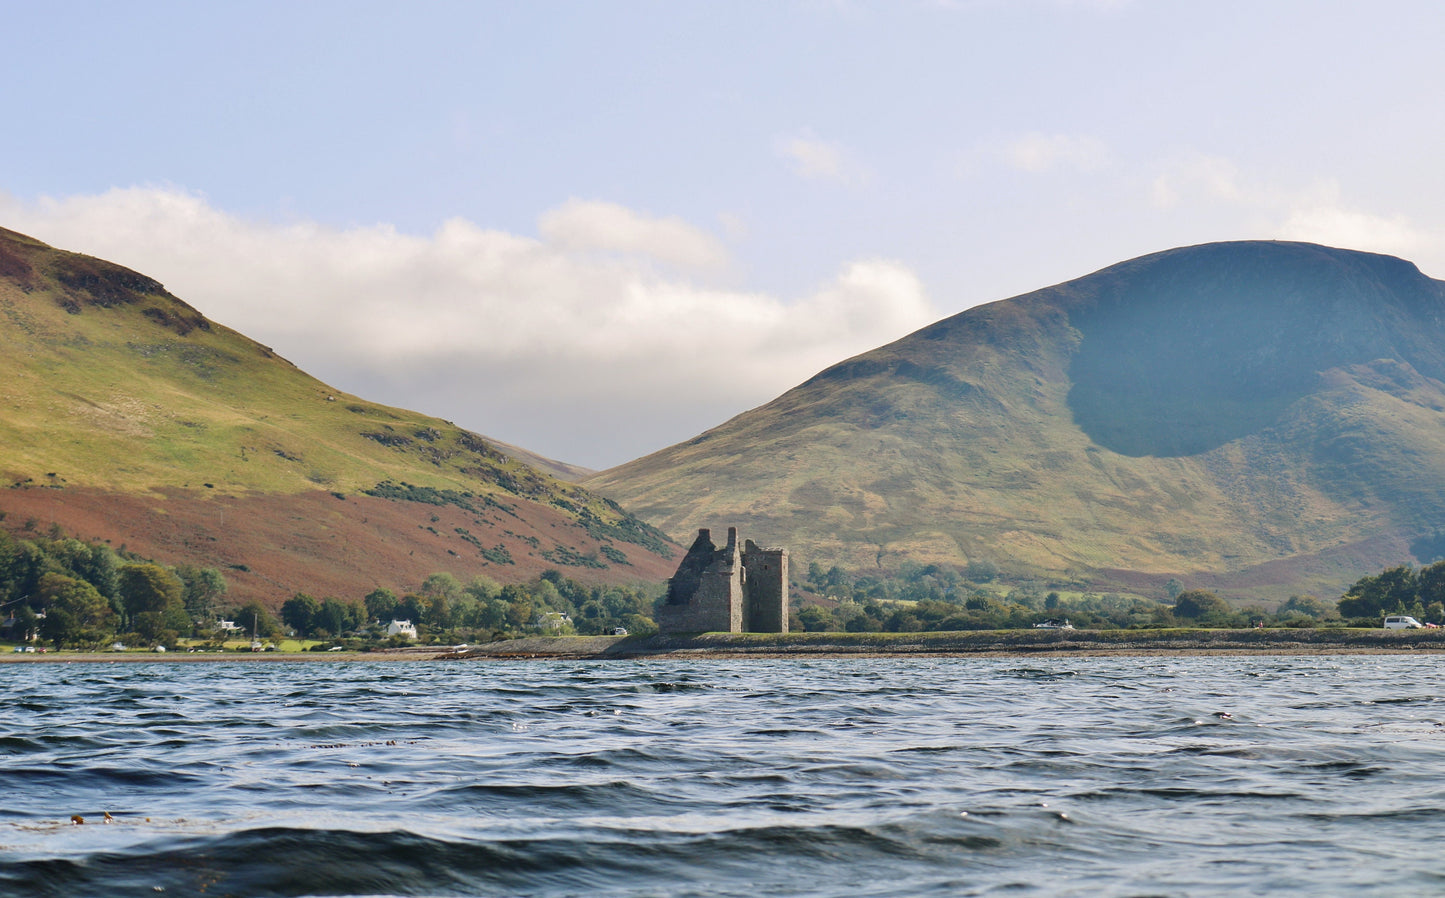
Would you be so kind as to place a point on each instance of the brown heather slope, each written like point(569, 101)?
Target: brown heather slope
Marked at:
point(127, 416)
point(1259, 417)
point(271, 546)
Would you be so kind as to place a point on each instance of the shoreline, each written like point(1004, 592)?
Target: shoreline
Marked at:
point(69, 656)
point(988, 643)
point(796, 646)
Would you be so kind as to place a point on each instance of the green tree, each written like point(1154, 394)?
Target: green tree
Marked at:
point(299, 613)
point(337, 617)
point(412, 607)
point(815, 619)
point(58, 627)
point(442, 585)
point(438, 612)
point(492, 614)
point(1395, 589)
point(519, 606)
point(1430, 583)
point(93, 619)
point(95, 563)
point(149, 588)
point(1200, 605)
point(483, 589)
point(380, 604)
point(21, 564)
point(151, 627)
point(1306, 605)
point(152, 598)
point(203, 588)
point(254, 618)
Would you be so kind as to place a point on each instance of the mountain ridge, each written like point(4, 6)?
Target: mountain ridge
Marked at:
point(1232, 412)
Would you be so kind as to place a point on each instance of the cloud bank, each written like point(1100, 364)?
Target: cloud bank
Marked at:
point(593, 342)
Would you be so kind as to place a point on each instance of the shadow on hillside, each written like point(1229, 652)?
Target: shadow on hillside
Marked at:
point(1184, 351)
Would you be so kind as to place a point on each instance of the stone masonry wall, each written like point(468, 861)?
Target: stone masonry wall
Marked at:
point(705, 594)
point(766, 589)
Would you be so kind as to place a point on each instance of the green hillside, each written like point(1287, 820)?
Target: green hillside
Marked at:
point(1261, 416)
point(113, 387)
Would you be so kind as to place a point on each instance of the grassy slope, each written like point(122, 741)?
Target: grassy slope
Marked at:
point(110, 397)
point(110, 384)
point(960, 443)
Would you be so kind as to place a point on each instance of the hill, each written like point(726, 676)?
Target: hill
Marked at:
point(128, 416)
point(1259, 417)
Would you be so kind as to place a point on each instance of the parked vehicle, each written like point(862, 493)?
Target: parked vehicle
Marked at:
point(1402, 622)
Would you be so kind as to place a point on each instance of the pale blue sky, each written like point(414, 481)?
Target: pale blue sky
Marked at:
point(531, 215)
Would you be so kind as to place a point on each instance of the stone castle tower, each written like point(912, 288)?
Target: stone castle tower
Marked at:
point(724, 589)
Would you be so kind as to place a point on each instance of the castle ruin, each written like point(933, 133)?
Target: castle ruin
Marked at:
point(727, 590)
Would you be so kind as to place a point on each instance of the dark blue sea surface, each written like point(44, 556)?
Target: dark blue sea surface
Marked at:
point(1078, 776)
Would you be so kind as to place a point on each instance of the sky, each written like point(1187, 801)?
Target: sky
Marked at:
point(596, 229)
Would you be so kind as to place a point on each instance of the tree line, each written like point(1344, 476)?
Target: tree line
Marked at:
point(73, 593)
point(82, 595)
point(1398, 590)
point(446, 610)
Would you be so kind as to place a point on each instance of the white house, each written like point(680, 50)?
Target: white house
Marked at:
point(404, 627)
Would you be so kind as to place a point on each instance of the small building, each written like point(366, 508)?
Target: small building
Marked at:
point(402, 628)
point(226, 626)
point(726, 589)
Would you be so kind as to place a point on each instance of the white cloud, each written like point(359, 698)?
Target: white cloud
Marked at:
point(591, 225)
point(1038, 153)
point(1320, 216)
point(589, 357)
point(1194, 175)
point(822, 160)
point(1313, 213)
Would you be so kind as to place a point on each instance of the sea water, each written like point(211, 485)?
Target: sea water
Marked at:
point(1061, 776)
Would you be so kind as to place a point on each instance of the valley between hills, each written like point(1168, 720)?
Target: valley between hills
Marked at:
point(1258, 418)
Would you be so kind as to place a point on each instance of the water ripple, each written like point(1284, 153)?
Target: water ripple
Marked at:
point(1178, 776)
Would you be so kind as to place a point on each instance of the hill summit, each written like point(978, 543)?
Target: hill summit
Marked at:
point(1247, 415)
point(127, 415)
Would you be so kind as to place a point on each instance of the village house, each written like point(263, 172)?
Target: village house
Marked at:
point(402, 628)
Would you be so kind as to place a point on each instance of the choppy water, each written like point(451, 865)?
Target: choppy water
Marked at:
point(1119, 776)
